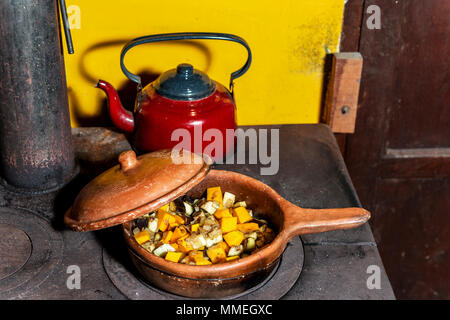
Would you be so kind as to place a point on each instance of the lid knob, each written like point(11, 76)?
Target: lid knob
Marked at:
point(186, 70)
point(184, 83)
point(127, 160)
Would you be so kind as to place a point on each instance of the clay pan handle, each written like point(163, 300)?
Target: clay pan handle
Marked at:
point(299, 221)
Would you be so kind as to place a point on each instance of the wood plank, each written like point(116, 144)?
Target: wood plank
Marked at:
point(351, 28)
point(409, 153)
point(350, 35)
point(414, 168)
point(412, 229)
point(341, 101)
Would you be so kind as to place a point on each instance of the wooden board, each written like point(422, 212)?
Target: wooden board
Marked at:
point(341, 102)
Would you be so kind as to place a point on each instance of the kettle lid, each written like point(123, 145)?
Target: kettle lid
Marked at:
point(184, 83)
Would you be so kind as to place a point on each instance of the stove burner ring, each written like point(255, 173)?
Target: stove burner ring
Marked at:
point(15, 249)
point(29, 250)
point(274, 287)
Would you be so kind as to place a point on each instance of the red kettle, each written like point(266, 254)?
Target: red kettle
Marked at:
point(182, 103)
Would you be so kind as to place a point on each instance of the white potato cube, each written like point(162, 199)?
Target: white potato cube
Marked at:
point(235, 250)
point(196, 241)
point(240, 204)
point(212, 241)
point(188, 208)
point(163, 249)
point(210, 206)
point(252, 235)
point(228, 200)
point(153, 224)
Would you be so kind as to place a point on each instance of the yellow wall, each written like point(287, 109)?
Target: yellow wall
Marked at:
point(288, 38)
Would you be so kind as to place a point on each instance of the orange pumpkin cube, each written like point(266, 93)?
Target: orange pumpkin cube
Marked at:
point(164, 207)
point(164, 220)
point(224, 245)
point(178, 233)
point(234, 238)
point(183, 246)
point(214, 194)
point(216, 253)
point(202, 262)
point(242, 214)
point(232, 258)
point(167, 236)
point(247, 227)
point(173, 256)
point(142, 237)
point(178, 219)
point(224, 213)
point(196, 255)
point(228, 224)
point(194, 227)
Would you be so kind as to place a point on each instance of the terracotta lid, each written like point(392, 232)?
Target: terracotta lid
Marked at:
point(136, 186)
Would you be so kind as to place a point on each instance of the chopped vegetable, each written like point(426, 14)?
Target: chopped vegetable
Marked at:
point(248, 227)
point(167, 236)
point(149, 246)
point(142, 237)
point(189, 209)
point(164, 219)
point(253, 235)
point(194, 227)
point(236, 250)
point(214, 194)
point(228, 224)
point(250, 244)
point(212, 240)
point(222, 213)
point(196, 241)
point(183, 246)
point(163, 249)
point(228, 200)
point(173, 256)
point(178, 219)
point(179, 233)
point(242, 214)
point(211, 206)
point(202, 262)
point(153, 224)
point(224, 245)
point(216, 254)
point(240, 204)
point(234, 238)
point(203, 231)
point(232, 258)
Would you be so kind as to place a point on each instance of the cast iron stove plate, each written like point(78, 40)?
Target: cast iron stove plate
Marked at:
point(29, 251)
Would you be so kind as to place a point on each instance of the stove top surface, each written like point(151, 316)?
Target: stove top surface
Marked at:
point(42, 260)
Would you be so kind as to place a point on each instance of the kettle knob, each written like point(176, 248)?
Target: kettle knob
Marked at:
point(185, 69)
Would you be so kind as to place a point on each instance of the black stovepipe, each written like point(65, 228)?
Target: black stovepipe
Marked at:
point(36, 151)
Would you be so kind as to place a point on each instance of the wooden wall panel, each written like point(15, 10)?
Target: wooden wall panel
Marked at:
point(399, 155)
point(412, 223)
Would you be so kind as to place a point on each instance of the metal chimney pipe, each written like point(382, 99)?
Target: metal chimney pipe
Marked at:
point(36, 153)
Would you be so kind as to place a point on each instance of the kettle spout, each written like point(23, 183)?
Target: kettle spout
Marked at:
point(122, 118)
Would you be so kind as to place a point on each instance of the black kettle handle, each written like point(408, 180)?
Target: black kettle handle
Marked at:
point(185, 36)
